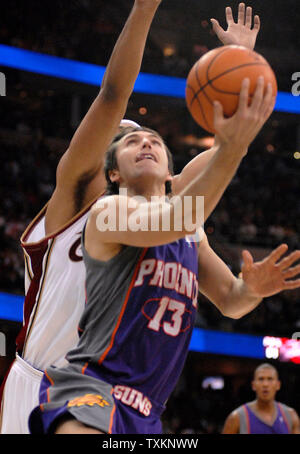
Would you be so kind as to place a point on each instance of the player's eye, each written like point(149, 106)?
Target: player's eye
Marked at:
point(156, 142)
point(131, 141)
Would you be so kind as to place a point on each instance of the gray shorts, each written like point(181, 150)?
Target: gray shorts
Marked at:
point(77, 392)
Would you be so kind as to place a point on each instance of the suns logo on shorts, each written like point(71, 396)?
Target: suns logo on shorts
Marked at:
point(89, 399)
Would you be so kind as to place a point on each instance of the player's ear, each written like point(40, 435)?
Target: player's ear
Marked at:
point(278, 385)
point(114, 176)
point(169, 177)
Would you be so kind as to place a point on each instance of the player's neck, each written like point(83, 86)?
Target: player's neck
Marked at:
point(144, 191)
point(265, 406)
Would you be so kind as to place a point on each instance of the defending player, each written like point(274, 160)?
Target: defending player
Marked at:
point(264, 415)
point(55, 271)
point(54, 281)
point(142, 285)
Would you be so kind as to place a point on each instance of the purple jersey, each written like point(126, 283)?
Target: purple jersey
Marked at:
point(252, 424)
point(148, 331)
point(134, 338)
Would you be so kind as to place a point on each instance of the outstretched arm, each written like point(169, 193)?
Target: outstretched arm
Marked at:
point(82, 163)
point(237, 297)
point(239, 33)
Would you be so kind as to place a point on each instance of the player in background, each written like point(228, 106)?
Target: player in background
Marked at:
point(55, 274)
point(264, 415)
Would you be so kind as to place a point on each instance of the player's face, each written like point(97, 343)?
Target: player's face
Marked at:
point(141, 155)
point(266, 384)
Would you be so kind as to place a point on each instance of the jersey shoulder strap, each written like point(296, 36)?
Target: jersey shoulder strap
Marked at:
point(242, 411)
point(286, 414)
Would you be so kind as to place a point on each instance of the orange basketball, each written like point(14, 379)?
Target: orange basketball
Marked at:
point(218, 76)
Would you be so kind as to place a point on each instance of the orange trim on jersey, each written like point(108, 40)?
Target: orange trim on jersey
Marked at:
point(123, 308)
point(84, 368)
point(52, 383)
point(56, 232)
point(48, 377)
point(247, 418)
point(111, 415)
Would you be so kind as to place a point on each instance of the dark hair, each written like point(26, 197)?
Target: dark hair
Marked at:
point(111, 159)
point(266, 366)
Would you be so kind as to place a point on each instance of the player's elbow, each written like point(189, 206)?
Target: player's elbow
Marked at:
point(229, 312)
point(111, 93)
point(235, 316)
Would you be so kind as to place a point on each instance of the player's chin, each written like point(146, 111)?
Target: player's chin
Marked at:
point(266, 395)
point(151, 169)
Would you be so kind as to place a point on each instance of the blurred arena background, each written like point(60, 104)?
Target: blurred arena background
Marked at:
point(259, 210)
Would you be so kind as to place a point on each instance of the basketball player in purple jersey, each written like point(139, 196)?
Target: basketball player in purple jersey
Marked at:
point(264, 415)
point(142, 285)
point(55, 274)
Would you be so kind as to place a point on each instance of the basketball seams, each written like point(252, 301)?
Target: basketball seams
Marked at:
point(202, 87)
point(229, 71)
point(209, 100)
point(210, 82)
point(203, 84)
point(198, 101)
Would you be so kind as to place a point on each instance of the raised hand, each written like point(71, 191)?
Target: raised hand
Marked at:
point(242, 128)
point(270, 276)
point(240, 32)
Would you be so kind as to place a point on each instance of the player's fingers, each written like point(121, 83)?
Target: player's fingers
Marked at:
point(247, 261)
point(229, 16)
point(277, 253)
point(269, 109)
point(268, 101)
point(267, 98)
point(248, 21)
point(244, 95)
point(241, 14)
point(289, 260)
point(218, 113)
point(217, 28)
point(256, 25)
point(289, 285)
point(291, 272)
point(258, 96)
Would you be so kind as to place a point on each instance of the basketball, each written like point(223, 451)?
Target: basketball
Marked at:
point(218, 76)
